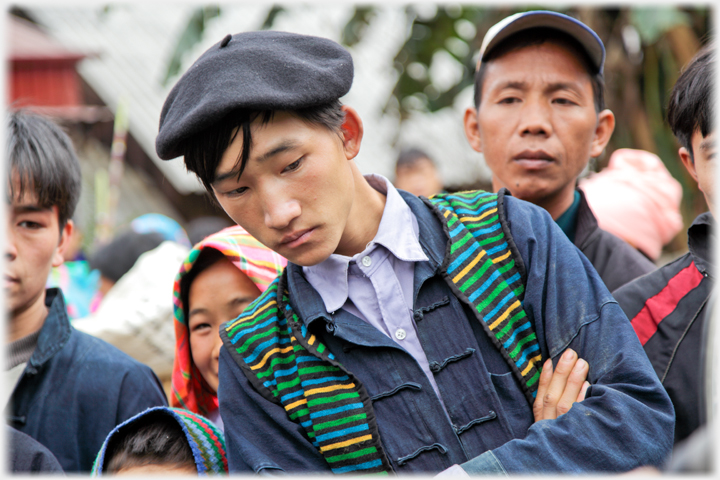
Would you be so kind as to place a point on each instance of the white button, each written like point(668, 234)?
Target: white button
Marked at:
point(366, 261)
point(400, 334)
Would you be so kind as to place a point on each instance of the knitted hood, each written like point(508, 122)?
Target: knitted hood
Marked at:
point(205, 439)
point(260, 264)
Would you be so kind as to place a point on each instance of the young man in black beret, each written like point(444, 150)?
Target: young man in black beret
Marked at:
point(406, 334)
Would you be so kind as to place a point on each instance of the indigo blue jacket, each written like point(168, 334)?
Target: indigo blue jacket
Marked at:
point(625, 421)
point(76, 388)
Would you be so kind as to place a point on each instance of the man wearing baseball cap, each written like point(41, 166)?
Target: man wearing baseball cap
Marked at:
point(407, 334)
point(538, 118)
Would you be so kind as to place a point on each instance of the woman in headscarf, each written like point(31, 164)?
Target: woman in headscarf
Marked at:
point(220, 277)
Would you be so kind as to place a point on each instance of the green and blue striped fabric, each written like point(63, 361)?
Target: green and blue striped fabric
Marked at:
point(480, 267)
point(289, 366)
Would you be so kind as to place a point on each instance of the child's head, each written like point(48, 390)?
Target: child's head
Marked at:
point(269, 138)
point(690, 115)
point(221, 276)
point(163, 440)
point(43, 186)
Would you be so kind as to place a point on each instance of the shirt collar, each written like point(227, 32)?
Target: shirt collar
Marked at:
point(700, 241)
point(398, 232)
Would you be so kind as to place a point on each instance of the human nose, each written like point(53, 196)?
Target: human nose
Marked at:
point(280, 211)
point(10, 249)
point(216, 347)
point(535, 119)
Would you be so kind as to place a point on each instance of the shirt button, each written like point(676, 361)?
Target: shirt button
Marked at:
point(367, 261)
point(400, 334)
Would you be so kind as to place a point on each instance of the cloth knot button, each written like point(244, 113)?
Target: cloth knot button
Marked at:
point(367, 261)
point(400, 333)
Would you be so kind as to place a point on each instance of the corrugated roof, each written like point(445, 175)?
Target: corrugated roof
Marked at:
point(132, 42)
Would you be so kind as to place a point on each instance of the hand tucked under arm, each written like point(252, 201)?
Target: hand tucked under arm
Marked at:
point(558, 389)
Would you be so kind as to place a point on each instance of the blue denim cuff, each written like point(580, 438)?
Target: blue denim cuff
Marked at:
point(485, 464)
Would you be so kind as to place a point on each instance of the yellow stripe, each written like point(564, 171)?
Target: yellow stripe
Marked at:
point(346, 443)
point(312, 340)
point(474, 219)
point(293, 405)
point(329, 389)
point(260, 365)
point(446, 213)
point(500, 259)
point(468, 267)
point(247, 319)
point(505, 314)
point(531, 363)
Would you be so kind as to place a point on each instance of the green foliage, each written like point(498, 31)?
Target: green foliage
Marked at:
point(274, 12)
point(192, 34)
point(354, 30)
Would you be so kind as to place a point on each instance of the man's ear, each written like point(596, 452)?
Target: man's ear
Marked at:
point(687, 160)
point(603, 132)
point(472, 132)
point(65, 235)
point(352, 131)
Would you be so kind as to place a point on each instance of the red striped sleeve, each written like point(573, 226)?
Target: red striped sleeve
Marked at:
point(661, 305)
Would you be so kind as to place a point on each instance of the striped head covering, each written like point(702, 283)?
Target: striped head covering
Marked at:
point(205, 439)
point(260, 264)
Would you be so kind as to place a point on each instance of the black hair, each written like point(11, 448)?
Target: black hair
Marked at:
point(208, 257)
point(410, 156)
point(204, 150)
point(42, 158)
point(117, 257)
point(538, 36)
point(691, 100)
point(153, 439)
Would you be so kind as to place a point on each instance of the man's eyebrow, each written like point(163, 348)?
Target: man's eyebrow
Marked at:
point(30, 208)
point(707, 144)
point(512, 84)
point(282, 147)
point(554, 87)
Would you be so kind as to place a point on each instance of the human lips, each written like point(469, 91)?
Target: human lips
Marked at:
point(296, 238)
point(533, 159)
point(10, 280)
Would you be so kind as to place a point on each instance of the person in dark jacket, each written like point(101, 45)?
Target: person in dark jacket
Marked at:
point(27, 455)
point(68, 389)
point(406, 335)
point(669, 307)
point(537, 138)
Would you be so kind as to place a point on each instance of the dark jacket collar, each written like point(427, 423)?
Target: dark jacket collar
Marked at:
point(432, 240)
point(587, 225)
point(700, 241)
point(55, 332)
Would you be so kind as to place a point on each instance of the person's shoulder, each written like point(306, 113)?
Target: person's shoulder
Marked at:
point(625, 254)
point(90, 350)
point(648, 285)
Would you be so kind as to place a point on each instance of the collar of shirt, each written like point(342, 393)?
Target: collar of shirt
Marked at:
point(700, 241)
point(398, 232)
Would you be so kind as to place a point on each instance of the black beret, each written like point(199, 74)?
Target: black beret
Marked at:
point(263, 70)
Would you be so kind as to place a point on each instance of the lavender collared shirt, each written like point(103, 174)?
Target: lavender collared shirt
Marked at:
point(376, 285)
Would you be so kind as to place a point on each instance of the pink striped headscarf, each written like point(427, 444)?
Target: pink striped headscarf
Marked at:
point(260, 264)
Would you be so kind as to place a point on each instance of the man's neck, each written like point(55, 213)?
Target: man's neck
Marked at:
point(558, 204)
point(364, 218)
point(28, 320)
